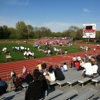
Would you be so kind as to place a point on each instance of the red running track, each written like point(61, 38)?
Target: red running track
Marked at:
point(5, 68)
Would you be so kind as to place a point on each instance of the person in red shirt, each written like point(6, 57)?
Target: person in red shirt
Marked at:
point(77, 65)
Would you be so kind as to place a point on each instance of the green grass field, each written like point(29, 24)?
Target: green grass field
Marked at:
point(18, 56)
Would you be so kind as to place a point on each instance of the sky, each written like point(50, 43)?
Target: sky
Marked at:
point(57, 15)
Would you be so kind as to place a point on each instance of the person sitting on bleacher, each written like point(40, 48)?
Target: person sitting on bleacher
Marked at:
point(58, 73)
point(94, 66)
point(87, 71)
point(28, 78)
point(98, 63)
point(36, 89)
point(77, 65)
point(81, 64)
point(3, 87)
point(18, 82)
point(39, 66)
point(24, 72)
point(50, 75)
point(13, 76)
point(65, 67)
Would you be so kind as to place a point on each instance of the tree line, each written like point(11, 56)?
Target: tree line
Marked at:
point(23, 31)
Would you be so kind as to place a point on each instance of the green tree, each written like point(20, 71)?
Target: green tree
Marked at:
point(98, 34)
point(30, 31)
point(1, 32)
point(22, 30)
point(6, 33)
point(79, 34)
point(13, 33)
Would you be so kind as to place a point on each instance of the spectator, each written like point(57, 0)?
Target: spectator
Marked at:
point(82, 64)
point(94, 65)
point(18, 82)
point(44, 66)
point(71, 62)
point(3, 87)
point(39, 67)
point(28, 78)
point(24, 72)
point(50, 75)
point(95, 68)
point(77, 65)
point(74, 60)
point(87, 71)
point(13, 76)
point(65, 67)
point(43, 79)
point(36, 89)
point(98, 63)
point(58, 73)
point(62, 69)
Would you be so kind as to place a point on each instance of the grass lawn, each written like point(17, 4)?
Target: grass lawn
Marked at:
point(18, 56)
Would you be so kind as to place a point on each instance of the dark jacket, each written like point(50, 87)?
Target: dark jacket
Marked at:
point(29, 78)
point(35, 90)
point(59, 75)
point(44, 66)
point(3, 87)
point(98, 63)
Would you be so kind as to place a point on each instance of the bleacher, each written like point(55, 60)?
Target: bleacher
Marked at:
point(53, 41)
point(88, 92)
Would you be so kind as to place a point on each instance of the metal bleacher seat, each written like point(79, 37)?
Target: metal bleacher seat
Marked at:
point(96, 80)
point(70, 77)
point(82, 81)
point(66, 95)
point(53, 94)
point(86, 94)
point(13, 95)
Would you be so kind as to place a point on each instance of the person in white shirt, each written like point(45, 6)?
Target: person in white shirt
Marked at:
point(94, 65)
point(87, 71)
point(4, 50)
point(25, 54)
point(50, 75)
point(74, 60)
point(95, 68)
point(65, 67)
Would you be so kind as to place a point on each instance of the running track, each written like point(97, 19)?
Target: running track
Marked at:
point(31, 64)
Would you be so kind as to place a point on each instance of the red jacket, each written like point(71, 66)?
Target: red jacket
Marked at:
point(77, 64)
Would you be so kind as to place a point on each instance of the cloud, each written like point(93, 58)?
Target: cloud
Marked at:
point(18, 2)
point(60, 26)
point(86, 10)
